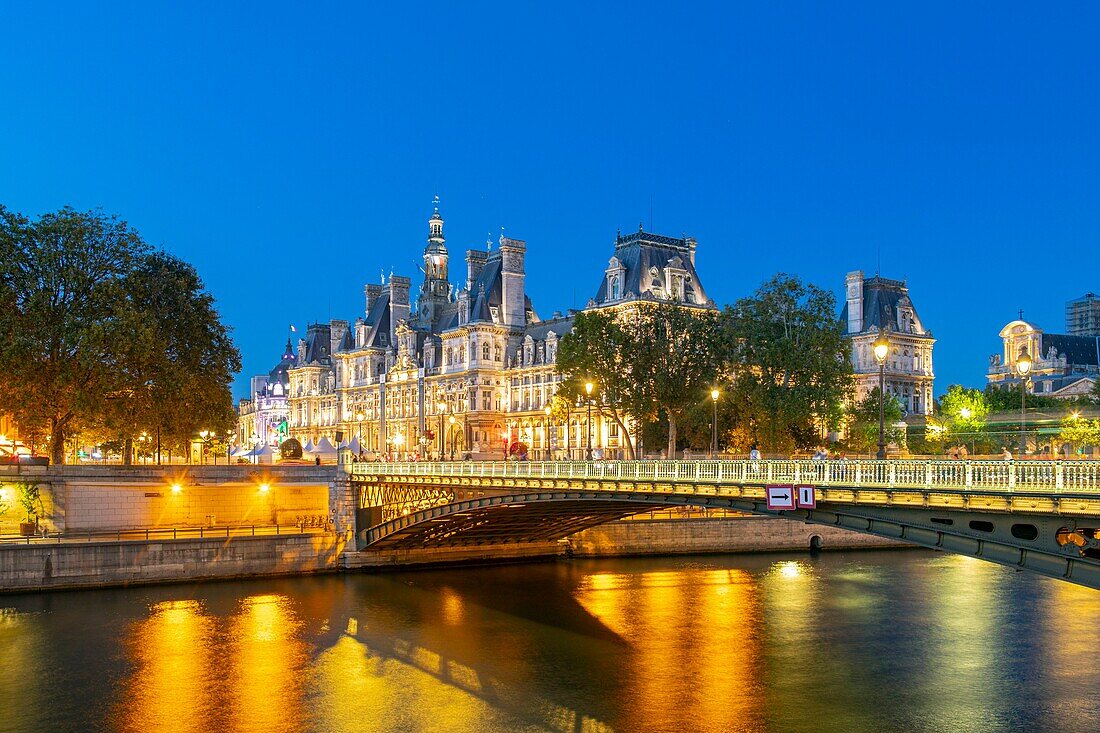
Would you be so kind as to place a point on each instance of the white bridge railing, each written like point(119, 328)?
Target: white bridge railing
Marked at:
point(997, 476)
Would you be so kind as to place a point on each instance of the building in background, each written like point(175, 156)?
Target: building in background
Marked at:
point(262, 417)
point(1083, 316)
point(877, 303)
point(468, 368)
point(1062, 365)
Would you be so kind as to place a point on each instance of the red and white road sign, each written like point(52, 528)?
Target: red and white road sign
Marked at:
point(780, 496)
point(806, 497)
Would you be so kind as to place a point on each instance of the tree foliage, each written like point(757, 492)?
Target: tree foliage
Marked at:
point(1080, 432)
point(101, 334)
point(791, 365)
point(863, 423)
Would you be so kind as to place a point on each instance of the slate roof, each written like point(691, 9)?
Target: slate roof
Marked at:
point(1079, 350)
point(317, 345)
point(881, 300)
point(279, 372)
point(640, 251)
point(378, 321)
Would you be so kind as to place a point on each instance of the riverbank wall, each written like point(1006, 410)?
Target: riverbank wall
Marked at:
point(47, 566)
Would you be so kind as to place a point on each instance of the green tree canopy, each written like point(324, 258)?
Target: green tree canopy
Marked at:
point(863, 423)
point(100, 333)
point(790, 361)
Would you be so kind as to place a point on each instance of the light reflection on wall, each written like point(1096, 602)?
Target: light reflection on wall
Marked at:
point(173, 683)
point(267, 658)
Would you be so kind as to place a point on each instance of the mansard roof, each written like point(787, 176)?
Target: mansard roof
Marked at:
point(882, 298)
point(317, 345)
point(1078, 350)
point(541, 330)
point(644, 257)
point(378, 321)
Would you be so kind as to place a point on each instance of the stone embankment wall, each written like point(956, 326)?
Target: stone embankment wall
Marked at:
point(706, 535)
point(89, 498)
point(40, 567)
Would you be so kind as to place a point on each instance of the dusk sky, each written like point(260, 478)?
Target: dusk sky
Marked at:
point(291, 151)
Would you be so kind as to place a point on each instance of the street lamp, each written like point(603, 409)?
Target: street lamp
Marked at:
point(546, 432)
point(714, 394)
point(881, 348)
point(451, 419)
point(442, 438)
point(1023, 368)
point(204, 434)
point(588, 387)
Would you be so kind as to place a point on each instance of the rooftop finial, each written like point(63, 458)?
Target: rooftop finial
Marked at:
point(489, 241)
point(435, 203)
point(1021, 314)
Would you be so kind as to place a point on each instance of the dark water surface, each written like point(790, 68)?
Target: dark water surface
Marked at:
point(867, 641)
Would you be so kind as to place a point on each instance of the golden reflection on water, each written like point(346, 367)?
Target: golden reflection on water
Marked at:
point(694, 645)
point(173, 684)
point(266, 660)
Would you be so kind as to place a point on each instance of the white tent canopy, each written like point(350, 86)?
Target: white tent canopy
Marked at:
point(308, 447)
point(323, 446)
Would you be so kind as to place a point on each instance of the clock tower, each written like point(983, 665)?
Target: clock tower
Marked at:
point(435, 291)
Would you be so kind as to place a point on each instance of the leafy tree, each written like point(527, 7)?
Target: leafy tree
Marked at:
point(99, 334)
point(679, 356)
point(60, 284)
point(792, 373)
point(598, 350)
point(1079, 431)
point(178, 362)
point(962, 415)
point(863, 423)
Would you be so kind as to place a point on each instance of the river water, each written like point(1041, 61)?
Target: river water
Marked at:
point(860, 641)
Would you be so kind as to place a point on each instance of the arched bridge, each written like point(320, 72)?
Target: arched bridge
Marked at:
point(1042, 516)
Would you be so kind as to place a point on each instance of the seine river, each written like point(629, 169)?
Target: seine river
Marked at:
point(861, 641)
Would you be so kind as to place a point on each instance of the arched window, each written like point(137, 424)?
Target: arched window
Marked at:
point(485, 351)
point(614, 287)
point(496, 353)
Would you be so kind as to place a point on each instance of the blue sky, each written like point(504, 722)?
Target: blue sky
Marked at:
point(291, 152)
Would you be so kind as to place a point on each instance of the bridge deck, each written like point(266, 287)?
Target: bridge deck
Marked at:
point(1057, 477)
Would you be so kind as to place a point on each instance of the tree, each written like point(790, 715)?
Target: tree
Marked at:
point(601, 351)
point(60, 283)
point(679, 356)
point(792, 373)
point(1079, 431)
point(175, 368)
point(962, 415)
point(863, 423)
point(98, 333)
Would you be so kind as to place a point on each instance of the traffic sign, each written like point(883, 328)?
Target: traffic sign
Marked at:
point(807, 497)
point(780, 496)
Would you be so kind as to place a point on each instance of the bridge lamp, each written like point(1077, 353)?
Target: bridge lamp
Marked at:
point(881, 349)
point(714, 394)
point(588, 387)
point(1023, 368)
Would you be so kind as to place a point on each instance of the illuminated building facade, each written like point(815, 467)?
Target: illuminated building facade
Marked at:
point(467, 369)
point(873, 303)
point(262, 417)
point(1062, 365)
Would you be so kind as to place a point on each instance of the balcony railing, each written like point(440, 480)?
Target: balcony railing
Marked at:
point(1062, 477)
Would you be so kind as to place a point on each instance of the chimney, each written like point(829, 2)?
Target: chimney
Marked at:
point(690, 243)
point(475, 262)
point(853, 285)
point(372, 292)
point(513, 298)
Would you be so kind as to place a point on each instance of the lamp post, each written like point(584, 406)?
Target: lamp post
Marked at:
point(442, 438)
point(451, 420)
point(714, 394)
point(1023, 368)
point(588, 387)
point(881, 348)
point(546, 431)
point(203, 434)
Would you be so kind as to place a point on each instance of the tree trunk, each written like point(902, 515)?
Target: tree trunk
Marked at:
point(671, 436)
point(57, 443)
point(128, 452)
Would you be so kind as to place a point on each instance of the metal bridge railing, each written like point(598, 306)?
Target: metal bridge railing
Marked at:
point(1061, 476)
